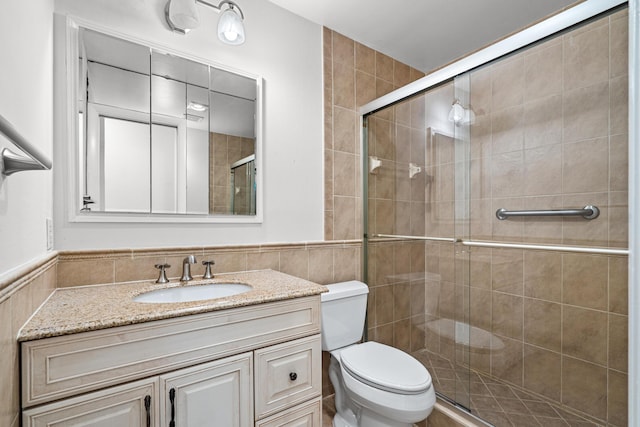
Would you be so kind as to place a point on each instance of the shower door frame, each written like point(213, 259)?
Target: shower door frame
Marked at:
point(530, 35)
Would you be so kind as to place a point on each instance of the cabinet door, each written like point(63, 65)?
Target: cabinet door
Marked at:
point(218, 393)
point(134, 404)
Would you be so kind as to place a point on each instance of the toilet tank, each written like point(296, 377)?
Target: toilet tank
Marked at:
point(343, 312)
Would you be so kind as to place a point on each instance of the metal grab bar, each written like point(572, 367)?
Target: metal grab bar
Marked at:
point(588, 212)
point(14, 162)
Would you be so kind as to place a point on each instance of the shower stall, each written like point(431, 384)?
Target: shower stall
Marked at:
point(243, 186)
point(496, 224)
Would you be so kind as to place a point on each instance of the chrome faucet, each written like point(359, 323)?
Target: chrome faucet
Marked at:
point(186, 268)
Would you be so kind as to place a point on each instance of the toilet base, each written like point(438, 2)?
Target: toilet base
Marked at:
point(338, 421)
point(368, 421)
point(371, 419)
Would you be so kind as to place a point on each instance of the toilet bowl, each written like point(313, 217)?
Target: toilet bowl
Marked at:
point(375, 385)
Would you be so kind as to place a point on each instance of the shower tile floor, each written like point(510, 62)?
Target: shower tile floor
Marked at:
point(496, 402)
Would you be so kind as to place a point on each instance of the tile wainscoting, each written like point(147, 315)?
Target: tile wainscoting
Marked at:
point(21, 294)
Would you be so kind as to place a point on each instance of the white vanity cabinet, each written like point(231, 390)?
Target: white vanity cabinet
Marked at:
point(257, 365)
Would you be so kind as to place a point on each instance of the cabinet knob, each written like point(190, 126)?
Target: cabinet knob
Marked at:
point(293, 376)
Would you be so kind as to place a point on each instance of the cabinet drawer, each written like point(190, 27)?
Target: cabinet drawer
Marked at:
point(308, 414)
point(287, 374)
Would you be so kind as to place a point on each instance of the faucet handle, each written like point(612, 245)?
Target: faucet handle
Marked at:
point(162, 278)
point(207, 269)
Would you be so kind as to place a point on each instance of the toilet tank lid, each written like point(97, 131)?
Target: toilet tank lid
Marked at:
point(344, 290)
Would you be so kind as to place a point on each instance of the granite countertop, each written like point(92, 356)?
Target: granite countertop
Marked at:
point(89, 308)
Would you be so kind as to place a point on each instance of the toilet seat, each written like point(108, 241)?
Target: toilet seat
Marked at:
point(385, 368)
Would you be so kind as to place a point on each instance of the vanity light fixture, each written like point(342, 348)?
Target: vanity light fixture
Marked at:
point(460, 115)
point(182, 17)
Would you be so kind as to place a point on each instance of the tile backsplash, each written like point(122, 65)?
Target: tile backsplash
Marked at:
point(320, 262)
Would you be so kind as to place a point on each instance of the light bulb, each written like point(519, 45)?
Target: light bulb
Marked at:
point(456, 114)
point(230, 27)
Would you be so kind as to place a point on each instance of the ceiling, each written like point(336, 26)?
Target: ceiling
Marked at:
point(424, 33)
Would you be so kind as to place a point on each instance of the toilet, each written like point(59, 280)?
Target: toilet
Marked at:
point(375, 385)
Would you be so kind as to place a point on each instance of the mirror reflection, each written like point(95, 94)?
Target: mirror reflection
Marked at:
point(161, 134)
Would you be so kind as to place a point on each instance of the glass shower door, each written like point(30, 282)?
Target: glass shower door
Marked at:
point(417, 302)
point(520, 317)
point(243, 186)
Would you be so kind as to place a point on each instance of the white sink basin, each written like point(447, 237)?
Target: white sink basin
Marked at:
point(193, 293)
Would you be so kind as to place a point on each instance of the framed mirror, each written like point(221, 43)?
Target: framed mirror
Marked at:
point(161, 136)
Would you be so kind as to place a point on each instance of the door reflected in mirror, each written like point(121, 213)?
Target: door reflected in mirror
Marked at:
point(162, 134)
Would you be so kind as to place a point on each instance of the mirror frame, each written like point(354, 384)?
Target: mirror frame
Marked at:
point(66, 47)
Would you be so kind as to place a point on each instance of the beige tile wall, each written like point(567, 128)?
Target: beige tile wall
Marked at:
point(398, 283)
point(19, 297)
point(551, 132)
point(563, 321)
point(224, 150)
point(353, 75)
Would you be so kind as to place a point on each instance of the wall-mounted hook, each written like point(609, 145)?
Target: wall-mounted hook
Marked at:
point(86, 201)
point(374, 164)
point(414, 170)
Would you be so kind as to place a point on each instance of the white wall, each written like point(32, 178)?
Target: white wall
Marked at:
point(26, 50)
point(287, 52)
